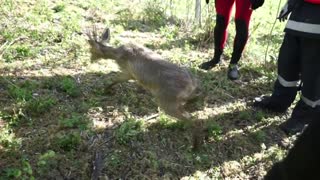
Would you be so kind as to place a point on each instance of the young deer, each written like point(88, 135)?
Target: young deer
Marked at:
point(171, 85)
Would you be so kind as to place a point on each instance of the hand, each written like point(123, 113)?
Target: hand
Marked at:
point(284, 13)
point(255, 4)
point(207, 1)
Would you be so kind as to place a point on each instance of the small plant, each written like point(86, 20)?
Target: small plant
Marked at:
point(59, 8)
point(18, 52)
point(24, 172)
point(47, 161)
point(154, 15)
point(13, 173)
point(75, 121)
point(259, 115)
point(259, 136)
point(19, 93)
point(68, 142)
point(126, 17)
point(69, 86)
point(114, 159)
point(214, 130)
point(244, 115)
point(40, 105)
point(129, 131)
point(166, 122)
point(12, 120)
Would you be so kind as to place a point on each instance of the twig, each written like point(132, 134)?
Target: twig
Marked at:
point(270, 33)
point(97, 165)
point(151, 117)
point(4, 45)
point(10, 44)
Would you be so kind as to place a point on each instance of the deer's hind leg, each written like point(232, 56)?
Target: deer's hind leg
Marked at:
point(176, 109)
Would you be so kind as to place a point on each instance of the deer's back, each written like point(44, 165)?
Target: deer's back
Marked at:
point(156, 74)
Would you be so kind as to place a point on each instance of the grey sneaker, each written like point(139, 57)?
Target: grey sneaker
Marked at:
point(233, 72)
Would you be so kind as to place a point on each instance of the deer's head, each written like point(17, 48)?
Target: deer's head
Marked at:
point(96, 43)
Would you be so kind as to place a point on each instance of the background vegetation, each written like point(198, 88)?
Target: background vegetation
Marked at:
point(58, 122)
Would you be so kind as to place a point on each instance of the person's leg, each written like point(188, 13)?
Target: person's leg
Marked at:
point(310, 93)
point(223, 9)
point(286, 85)
point(242, 21)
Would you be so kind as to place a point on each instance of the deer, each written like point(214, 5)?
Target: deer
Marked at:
point(172, 86)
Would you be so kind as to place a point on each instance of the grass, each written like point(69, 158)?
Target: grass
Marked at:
point(55, 114)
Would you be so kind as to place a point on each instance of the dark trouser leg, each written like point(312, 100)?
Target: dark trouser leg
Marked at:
point(239, 41)
point(219, 40)
point(238, 46)
point(219, 37)
point(242, 20)
point(286, 85)
point(310, 77)
point(310, 74)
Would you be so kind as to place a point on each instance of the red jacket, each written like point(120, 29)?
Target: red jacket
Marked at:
point(313, 1)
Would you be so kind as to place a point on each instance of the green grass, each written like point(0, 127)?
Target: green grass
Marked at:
point(129, 131)
point(55, 114)
point(70, 87)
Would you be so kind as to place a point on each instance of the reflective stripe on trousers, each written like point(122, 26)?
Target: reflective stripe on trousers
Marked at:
point(285, 83)
point(310, 102)
point(303, 27)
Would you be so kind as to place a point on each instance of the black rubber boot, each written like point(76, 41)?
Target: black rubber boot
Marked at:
point(233, 72)
point(300, 117)
point(270, 104)
point(213, 62)
point(280, 100)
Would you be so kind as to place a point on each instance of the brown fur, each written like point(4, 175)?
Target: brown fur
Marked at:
point(171, 85)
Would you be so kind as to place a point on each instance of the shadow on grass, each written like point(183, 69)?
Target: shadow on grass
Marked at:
point(165, 151)
point(33, 109)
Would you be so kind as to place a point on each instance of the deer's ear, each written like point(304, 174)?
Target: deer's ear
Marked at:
point(106, 35)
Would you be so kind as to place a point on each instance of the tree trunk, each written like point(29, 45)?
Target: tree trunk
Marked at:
point(198, 12)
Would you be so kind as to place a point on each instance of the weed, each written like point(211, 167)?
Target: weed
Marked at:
point(125, 18)
point(12, 120)
point(22, 94)
point(154, 15)
point(47, 161)
point(245, 115)
point(40, 105)
point(59, 8)
point(18, 52)
point(9, 141)
point(167, 123)
point(259, 136)
point(13, 173)
point(259, 115)
point(129, 131)
point(214, 130)
point(70, 87)
point(114, 159)
point(23, 172)
point(68, 142)
point(75, 121)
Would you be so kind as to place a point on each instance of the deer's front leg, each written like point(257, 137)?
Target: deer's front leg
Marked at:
point(114, 78)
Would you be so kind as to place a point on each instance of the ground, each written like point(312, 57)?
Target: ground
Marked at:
point(57, 121)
